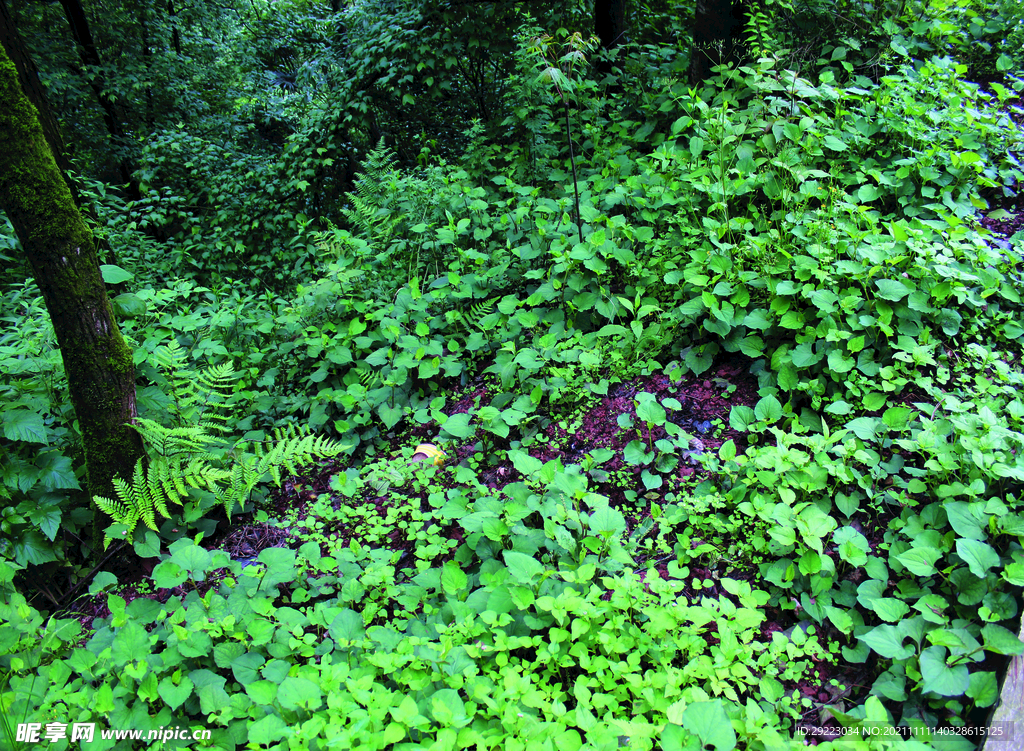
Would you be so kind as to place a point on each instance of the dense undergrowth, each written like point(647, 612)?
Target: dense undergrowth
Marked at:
point(742, 430)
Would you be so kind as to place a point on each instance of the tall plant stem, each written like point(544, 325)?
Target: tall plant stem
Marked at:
point(572, 160)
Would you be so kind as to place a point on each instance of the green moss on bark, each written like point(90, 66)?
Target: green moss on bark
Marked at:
point(61, 252)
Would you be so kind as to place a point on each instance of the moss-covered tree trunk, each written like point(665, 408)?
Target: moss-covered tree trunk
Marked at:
point(11, 40)
point(60, 249)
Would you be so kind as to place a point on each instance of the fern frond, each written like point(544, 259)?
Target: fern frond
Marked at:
point(292, 448)
point(478, 311)
point(190, 440)
point(373, 207)
point(136, 502)
point(187, 457)
point(371, 379)
point(197, 396)
point(200, 474)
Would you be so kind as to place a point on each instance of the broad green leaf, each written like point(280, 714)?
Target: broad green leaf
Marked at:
point(453, 578)
point(983, 688)
point(864, 428)
point(210, 690)
point(810, 563)
point(168, 575)
point(131, 642)
point(868, 193)
point(841, 619)
point(804, 356)
point(280, 563)
point(191, 557)
point(56, 471)
point(824, 300)
point(175, 695)
point(522, 567)
point(636, 452)
point(768, 409)
point(919, 561)
point(267, 730)
point(607, 521)
point(649, 410)
point(950, 321)
point(745, 158)
point(840, 363)
point(890, 609)
point(839, 407)
point(457, 426)
point(1000, 640)
point(33, 548)
point(114, 274)
point(892, 290)
point(24, 425)
point(129, 305)
point(887, 641)
point(347, 626)
point(447, 707)
point(261, 692)
point(227, 652)
point(389, 415)
point(874, 400)
point(149, 544)
point(792, 320)
point(246, 667)
point(758, 319)
point(962, 519)
point(852, 554)
point(494, 529)
point(526, 465)
point(500, 599)
point(788, 378)
point(297, 692)
point(650, 480)
point(897, 417)
point(709, 722)
point(939, 677)
point(740, 417)
point(101, 581)
point(727, 451)
point(979, 556)
point(970, 589)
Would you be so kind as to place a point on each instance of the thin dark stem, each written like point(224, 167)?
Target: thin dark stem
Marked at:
point(572, 160)
point(118, 546)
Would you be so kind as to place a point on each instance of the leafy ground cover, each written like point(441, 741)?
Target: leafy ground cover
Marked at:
point(730, 402)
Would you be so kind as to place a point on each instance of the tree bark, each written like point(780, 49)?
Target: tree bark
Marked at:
point(28, 76)
point(60, 249)
point(112, 115)
point(717, 35)
point(175, 39)
point(610, 27)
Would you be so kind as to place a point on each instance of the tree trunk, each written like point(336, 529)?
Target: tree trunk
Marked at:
point(175, 39)
point(28, 76)
point(610, 27)
point(717, 35)
point(112, 115)
point(60, 249)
